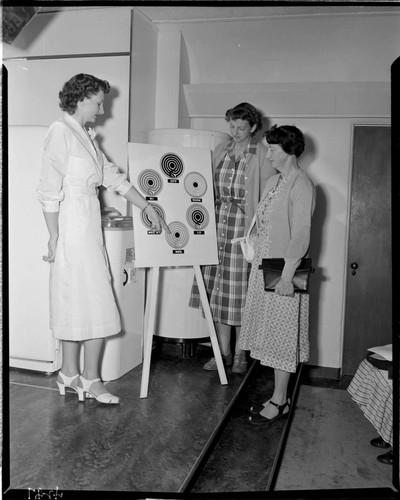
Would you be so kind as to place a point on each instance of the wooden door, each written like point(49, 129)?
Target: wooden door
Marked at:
point(368, 314)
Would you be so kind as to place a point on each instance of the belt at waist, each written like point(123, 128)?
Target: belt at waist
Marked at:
point(80, 190)
point(228, 199)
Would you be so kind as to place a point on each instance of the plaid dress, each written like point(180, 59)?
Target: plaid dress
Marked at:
point(226, 283)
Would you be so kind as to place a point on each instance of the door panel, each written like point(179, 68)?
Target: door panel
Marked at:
point(368, 314)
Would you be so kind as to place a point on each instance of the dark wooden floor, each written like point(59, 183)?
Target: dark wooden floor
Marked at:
point(150, 445)
point(189, 436)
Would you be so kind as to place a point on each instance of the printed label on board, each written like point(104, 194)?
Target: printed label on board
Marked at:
point(153, 231)
point(173, 181)
point(151, 198)
point(197, 200)
point(198, 232)
point(178, 251)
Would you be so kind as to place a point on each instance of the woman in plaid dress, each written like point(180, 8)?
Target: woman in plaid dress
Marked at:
point(275, 324)
point(240, 170)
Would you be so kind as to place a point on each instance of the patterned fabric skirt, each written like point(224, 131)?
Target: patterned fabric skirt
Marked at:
point(372, 391)
point(226, 283)
point(275, 327)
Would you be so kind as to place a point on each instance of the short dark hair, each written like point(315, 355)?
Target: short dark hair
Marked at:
point(77, 88)
point(289, 137)
point(245, 111)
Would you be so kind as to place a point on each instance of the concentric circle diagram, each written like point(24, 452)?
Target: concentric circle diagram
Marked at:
point(172, 165)
point(146, 221)
point(179, 235)
point(195, 184)
point(197, 217)
point(150, 182)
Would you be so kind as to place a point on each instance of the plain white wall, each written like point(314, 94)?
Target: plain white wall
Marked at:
point(143, 77)
point(322, 73)
point(352, 47)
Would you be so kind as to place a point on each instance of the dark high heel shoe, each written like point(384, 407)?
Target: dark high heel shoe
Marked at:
point(260, 420)
point(379, 443)
point(387, 458)
point(255, 408)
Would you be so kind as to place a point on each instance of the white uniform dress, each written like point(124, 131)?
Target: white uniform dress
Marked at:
point(82, 303)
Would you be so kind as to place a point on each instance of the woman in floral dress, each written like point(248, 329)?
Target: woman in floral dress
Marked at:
point(275, 324)
point(240, 172)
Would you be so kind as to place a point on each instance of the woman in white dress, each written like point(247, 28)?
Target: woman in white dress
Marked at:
point(83, 310)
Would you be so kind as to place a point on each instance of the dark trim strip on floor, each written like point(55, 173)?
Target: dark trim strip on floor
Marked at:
point(209, 446)
point(285, 432)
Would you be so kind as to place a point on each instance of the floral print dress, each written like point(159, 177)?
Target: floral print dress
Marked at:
point(275, 327)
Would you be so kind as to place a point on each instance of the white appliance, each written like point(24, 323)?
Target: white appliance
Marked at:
point(124, 351)
point(175, 319)
point(31, 342)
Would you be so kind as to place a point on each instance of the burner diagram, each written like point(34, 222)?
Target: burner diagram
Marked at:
point(177, 182)
point(172, 165)
point(145, 219)
point(195, 184)
point(197, 217)
point(150, 182)
point(179, 235)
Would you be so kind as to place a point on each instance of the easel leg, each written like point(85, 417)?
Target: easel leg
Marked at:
point(150, 316)
point(211, 327)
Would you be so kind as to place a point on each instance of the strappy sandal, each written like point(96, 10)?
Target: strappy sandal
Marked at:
point(84, 390)
point(67, 382)
point(255, 408)
point(258, 406)
point(261, 420)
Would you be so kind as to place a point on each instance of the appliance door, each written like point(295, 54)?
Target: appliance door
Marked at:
point(32, 345)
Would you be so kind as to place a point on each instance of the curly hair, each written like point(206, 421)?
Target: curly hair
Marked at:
point(289, 137)
point(245, 111)
point(77, 88)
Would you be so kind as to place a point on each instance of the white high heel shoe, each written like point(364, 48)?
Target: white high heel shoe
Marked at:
point(84, 390)
point(66, 382)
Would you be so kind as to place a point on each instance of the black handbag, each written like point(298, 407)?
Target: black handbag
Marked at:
point(272, 270)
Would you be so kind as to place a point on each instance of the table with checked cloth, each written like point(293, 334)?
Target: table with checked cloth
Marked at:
point(372, 390)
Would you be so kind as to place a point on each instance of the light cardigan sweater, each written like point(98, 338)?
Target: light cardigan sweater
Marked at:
point(290, 220)
point(258, 171)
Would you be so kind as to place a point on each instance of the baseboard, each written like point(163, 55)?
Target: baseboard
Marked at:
point(325, 372)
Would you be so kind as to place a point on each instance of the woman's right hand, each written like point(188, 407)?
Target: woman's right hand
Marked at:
point(51, 255)
point(285, 288)
point(155, 218)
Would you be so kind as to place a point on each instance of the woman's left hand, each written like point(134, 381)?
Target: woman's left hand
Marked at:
point(52, 246)
point(284, 287)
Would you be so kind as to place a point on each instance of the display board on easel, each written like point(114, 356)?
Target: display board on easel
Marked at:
point(177, 181)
